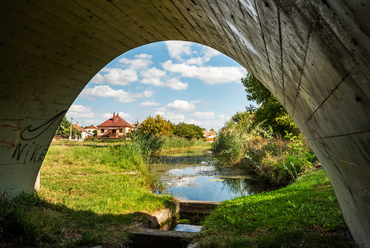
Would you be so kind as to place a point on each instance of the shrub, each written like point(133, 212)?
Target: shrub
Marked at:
point(228, 147)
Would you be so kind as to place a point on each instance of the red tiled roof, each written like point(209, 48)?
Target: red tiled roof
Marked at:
point(115, 121)
point(91, 127)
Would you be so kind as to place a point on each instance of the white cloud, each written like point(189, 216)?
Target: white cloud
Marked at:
point(178, 48)
point(80, 111)
point(207, 54)
point(145, 93)
point(116, 76)
point(120, 95)
point(119, 76)
point(106, 91)
point(198, 123)
point(171, 116)
point(178, 105)
point(125, 115)
point(204, 115)
point(141, 61)
point(148, 103)
point(208, 74)
point(157, 77)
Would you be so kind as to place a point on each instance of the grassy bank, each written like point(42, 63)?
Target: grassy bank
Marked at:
point(304, 214)
point(89, 195)
point(182, 146)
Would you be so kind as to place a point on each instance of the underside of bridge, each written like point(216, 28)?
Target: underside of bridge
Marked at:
point(312, 55)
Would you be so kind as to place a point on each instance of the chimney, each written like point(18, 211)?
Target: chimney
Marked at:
point(114, 115)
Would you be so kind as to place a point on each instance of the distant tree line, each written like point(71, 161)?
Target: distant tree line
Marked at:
point(160, 126)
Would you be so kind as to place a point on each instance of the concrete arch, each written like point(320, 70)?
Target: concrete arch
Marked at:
point(313, 55)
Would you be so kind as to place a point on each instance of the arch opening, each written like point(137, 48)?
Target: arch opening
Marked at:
point(312, 56)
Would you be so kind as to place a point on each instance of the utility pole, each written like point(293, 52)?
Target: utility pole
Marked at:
point(70, 132)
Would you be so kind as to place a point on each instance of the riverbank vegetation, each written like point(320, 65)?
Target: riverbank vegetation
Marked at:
point(90, 193)
point(264, 140)
point(303, 214)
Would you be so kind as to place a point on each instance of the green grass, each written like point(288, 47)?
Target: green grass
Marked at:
point(89, 194)
point(304, 214)
point(183, 146)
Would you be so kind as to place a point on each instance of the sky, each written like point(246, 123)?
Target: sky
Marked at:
point(181, 81)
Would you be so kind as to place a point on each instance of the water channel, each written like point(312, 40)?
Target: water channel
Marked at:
point(200, 179)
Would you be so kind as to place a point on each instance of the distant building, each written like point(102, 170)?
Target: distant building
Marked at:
point(209, 135)
point(91, 129)
point(115, 127)
point(84, 133)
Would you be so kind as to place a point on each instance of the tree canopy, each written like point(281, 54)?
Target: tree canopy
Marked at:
point(156, 126)
point(270, 112)
point(188, 131)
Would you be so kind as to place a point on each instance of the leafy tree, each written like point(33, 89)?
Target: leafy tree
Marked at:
point(270, 113)
point(156, 126)
point(63, 128)
point(188, 131)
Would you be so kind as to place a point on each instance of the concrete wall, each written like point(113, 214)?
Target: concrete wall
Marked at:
point(312, 55)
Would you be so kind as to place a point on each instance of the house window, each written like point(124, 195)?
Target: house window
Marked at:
point(121, 130)
point(102, 130)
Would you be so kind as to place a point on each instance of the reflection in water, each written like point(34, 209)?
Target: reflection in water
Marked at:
point(206, 182)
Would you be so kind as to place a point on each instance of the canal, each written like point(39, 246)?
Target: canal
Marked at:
point(199, 178)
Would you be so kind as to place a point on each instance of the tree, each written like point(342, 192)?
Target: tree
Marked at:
point(188, 131)
point(270, 113)
point(63, 128)
point(156, 126)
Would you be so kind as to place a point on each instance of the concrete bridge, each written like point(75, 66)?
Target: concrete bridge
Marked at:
point(312, 55)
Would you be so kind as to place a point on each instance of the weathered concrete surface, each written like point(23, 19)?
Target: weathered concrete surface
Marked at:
point(198, 207)
point(313, 55)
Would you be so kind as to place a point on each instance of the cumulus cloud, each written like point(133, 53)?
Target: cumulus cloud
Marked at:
point(145, 93)
point(198, 123)
point(177, 49)
point(179, 105)
point(203, 115)
point(119, 95)
point(208, 74)
point(80, 111)
point(126, 75)
point(148, 103)
point(106, 91)
point(171, 116)
point(157, 77)
point(116, 76)
point(205, 57)
point(141, 61)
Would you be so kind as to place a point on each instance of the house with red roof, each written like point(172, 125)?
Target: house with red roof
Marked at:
point(115, 127)
point(91, 129)
point(83, 132)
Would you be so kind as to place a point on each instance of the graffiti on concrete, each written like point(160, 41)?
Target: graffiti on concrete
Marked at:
point(24, 145)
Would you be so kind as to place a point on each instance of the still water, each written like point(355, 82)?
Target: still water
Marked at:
point(204, 181)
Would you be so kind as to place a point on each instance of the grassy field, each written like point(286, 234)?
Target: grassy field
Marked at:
point(89, 195)
point(303, 214)
point(92, 192)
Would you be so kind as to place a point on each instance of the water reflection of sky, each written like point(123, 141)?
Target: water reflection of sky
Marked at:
point(205, 183)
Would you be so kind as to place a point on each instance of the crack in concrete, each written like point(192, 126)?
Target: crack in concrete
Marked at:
point(264, 42)
point(304, 65)
point(330, 94)
point(341, 135)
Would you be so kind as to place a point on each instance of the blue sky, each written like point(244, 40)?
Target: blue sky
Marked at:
point(181, 81)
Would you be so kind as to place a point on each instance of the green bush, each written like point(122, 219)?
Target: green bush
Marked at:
point(228, 147)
